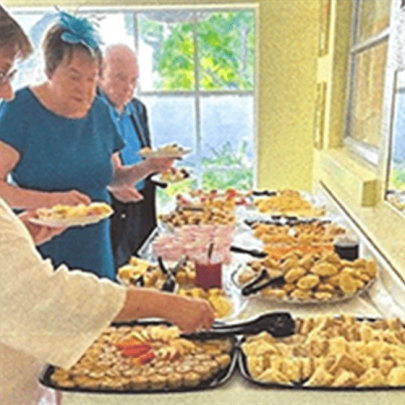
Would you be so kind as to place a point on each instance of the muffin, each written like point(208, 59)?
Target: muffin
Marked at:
point(165, 371)
point(223, 360)
point(202, 357)
point(174, 380)
point(139, 382)
point(183, 369)
point(213, 365)
point(191, 379)
point(157, 381)
point(203, 370)
point(131, 372)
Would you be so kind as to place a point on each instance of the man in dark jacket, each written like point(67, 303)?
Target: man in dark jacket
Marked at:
point(131, 223)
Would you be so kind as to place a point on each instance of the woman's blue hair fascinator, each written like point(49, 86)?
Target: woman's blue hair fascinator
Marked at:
point(79, 30)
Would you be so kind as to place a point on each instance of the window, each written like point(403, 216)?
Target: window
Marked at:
point(375, 111)
point(197, 78)
point(367, 82)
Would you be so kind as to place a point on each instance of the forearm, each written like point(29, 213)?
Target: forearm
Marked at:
point(17, 197)
point(144, 303)
point(124, 175)
point(189, 314)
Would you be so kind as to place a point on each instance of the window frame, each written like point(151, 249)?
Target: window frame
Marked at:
point(198, 94)
point(370, 154)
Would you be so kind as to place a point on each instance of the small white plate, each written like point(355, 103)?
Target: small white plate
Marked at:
point(158, 179)
point(56, 223)
point(175, 154)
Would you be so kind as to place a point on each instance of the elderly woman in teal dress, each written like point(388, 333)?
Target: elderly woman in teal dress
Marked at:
point(60, 145)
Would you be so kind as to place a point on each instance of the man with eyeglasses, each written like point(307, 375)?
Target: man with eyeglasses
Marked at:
point(131, 223)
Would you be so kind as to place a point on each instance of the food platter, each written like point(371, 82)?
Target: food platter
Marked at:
point(288, 288)
point(284, 203)
point(127, 385)
point(340, 366)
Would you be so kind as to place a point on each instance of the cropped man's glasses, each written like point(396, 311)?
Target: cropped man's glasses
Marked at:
point(7, 76)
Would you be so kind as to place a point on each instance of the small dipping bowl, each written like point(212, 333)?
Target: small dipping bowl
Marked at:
point(347, 247)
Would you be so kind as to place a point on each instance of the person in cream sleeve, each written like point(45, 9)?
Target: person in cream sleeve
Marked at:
point(50, 315)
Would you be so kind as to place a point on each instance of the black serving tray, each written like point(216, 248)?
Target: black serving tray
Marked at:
point(242, 365)
point(217, 380)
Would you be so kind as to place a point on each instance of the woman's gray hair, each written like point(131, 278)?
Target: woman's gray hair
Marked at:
point(55, 49)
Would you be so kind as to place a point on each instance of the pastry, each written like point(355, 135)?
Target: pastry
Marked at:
point(191, 379)
point(203, 370)
point(273, 376)
point(319, 378)
point(174, 380)
point(331, 351)
point(223, 360)
point(397, 376)
point(157, 381)
point(371, 378)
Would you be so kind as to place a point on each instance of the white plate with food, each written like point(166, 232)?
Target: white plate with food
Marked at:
point(69, 216)
point(173, 175)
point(168, 151)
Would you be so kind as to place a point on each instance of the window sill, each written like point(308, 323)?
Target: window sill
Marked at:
point(341, 170)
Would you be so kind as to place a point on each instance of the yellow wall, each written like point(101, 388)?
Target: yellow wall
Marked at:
point(287, 46)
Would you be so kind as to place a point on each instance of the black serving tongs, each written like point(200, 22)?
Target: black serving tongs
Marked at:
point(262, 281)
point(264, 193)
point(181, 263)
point(191, 208)
point(278, 324)
point(169, 284)
point(252, 252)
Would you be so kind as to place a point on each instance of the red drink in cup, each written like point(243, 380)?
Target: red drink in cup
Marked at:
point(208, 272)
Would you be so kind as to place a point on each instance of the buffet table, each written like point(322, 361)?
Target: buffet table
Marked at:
point(385, 298)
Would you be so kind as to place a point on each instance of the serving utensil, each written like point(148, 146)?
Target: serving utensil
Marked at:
point(170, 283)
point(253, 287)
point(266, 193)
point(181, 263)
point(252, 252)
point(278, 324)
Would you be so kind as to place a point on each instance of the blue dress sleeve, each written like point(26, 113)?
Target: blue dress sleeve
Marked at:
point(12, 123)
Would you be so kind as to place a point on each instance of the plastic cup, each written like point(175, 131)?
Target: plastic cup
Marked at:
point(208, 272)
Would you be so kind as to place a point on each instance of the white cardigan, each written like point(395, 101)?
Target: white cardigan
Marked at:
point(46, 316)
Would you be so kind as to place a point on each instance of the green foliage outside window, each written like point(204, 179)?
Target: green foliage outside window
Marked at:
point(226, 42)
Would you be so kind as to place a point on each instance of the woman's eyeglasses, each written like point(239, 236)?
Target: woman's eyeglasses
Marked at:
point(7, 76)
